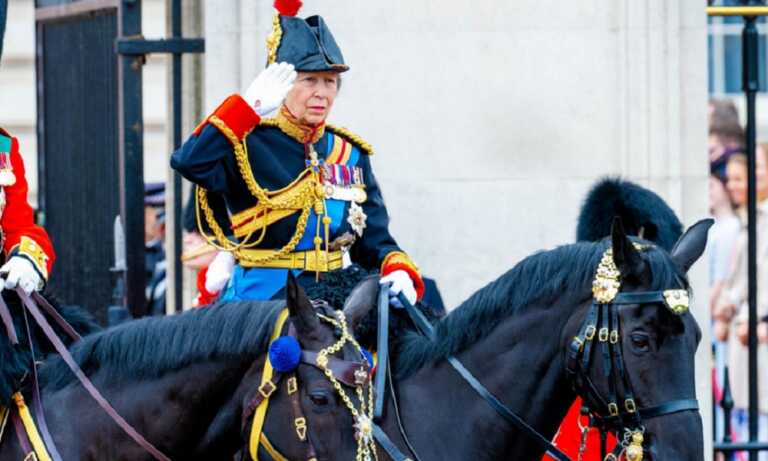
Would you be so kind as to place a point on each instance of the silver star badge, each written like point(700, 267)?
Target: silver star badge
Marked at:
point(357, 218)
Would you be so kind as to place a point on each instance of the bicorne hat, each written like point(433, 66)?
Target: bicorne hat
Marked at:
point(308, 43)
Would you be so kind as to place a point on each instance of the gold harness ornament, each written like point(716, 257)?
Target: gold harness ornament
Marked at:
point(362, 415)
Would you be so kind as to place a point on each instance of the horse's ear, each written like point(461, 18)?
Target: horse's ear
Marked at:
point(691, 244)
point(625, 256)
point(299, 306)
point(361, 300)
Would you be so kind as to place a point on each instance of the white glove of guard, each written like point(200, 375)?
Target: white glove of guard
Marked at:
point(268, 90)
point(401, 282)
point(19, 271)
point(219, 272)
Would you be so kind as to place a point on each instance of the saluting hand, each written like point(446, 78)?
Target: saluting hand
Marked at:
point(19, 271)
point(268, 90)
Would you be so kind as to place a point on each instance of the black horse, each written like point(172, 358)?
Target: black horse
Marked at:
point(514, 333)
point(184, 382)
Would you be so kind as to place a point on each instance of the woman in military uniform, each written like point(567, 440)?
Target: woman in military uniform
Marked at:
point(301, 193)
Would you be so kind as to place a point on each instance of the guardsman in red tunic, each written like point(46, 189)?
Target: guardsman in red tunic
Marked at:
point(27, 249)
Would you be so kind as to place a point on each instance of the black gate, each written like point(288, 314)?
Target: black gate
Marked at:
point(78, 145)
point(90, 55)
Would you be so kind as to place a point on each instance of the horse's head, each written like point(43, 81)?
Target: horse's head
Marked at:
point(326, 389)
point(633, 358)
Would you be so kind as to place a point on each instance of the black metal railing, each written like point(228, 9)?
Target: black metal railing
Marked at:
point(750, 10)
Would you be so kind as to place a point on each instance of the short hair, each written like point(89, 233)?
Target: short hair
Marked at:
point(724, 122)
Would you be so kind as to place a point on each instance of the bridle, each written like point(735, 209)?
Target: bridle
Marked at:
point(602, 324)
point(352, 374)
point(617, 411)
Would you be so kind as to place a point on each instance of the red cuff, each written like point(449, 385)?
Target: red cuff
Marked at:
point(205, 297)
point(400, 261)
point(238, 116)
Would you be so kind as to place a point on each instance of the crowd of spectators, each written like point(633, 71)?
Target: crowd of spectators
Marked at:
point(727, 251)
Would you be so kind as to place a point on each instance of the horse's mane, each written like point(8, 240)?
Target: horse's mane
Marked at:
point(152, 346)
point(542, 277)
point(16, 361)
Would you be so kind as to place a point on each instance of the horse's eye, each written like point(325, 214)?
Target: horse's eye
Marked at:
point(319, 399)
point(640, 341)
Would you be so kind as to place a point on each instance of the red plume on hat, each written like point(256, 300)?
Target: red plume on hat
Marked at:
point(288, 7)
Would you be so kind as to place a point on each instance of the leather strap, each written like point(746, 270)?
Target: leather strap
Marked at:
point(37, 405)
point(54, 314)
point(266, 377)
point(382, 349)
point(21, 434)
point(30, 429)
point(668, 408)
point(639, 297)
point(5, 316)
point(343, 370)
point(423, 324)
point(95, 394)
point(299, 420)
point(264, 391)
point(386, 443)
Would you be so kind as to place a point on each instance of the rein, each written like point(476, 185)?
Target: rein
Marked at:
point(33, 309)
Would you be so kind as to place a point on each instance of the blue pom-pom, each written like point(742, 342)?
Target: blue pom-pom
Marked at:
point(369, 357)
point(285, 354)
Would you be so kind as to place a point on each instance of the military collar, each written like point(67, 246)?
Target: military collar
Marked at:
point(304, 134)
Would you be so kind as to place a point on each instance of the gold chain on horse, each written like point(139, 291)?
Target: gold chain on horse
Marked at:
point(363, 417)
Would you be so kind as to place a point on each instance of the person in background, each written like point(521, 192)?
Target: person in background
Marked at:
point(726, 136)
point(154, 246)
point(731, 311)
point(214, 268)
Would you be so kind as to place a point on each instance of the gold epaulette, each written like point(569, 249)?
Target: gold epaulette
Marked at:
point(357, 140)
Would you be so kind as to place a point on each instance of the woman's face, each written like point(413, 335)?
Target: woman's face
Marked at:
point(737, 183)
point(311, 98)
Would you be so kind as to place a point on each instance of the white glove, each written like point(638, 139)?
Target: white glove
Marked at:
point(401, 282)
point(219, 272)
point(268, 90)
point(19, 271)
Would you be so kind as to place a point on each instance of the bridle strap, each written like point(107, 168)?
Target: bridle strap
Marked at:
point(638, 297)
point(37, 403)
point(668, 408)
point(423, 324)
point(5, 316)
point(387, 445)
point(299, 420)
point(267, 383)
point(343, 370)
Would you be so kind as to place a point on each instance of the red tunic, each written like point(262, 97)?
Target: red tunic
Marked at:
point(21, 236)
point(568, 438)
